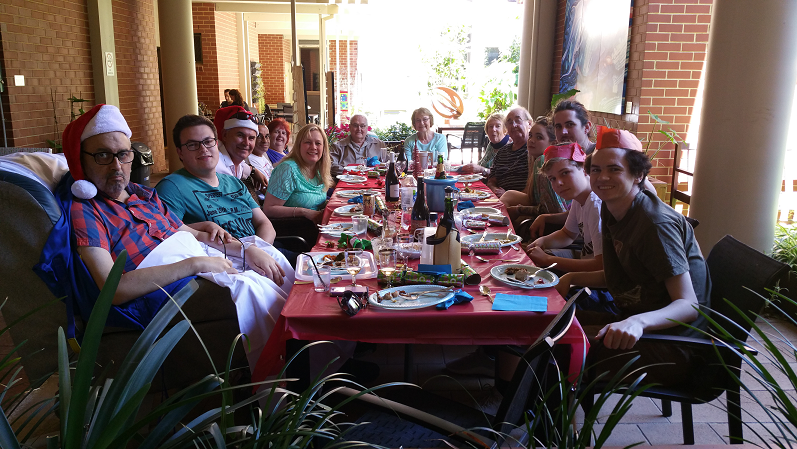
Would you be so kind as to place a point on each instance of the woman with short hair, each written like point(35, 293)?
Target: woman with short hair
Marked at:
point(425, 139)
point(299, 182)
point(280, 134)
point(498, 137)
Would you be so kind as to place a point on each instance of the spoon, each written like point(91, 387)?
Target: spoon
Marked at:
point(485, 290)
point(334, 280)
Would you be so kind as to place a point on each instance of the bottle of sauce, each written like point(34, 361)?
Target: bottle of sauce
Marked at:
point(391, 182)
point(419, 218)
point(447, 247)
point(441, 168)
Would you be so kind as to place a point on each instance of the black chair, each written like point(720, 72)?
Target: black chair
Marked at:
point(473, 138)
point(430, 417)
point(741, 275)
point(297, 234)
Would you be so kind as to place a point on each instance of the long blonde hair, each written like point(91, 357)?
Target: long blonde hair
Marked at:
point(547, 123)
point(324, 165)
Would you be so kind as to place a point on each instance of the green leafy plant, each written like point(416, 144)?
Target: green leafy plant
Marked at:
point(394, 132)
point(556, 98)
point(56, 143)
point(669, 135)
point(448, 63)
point(785, 247)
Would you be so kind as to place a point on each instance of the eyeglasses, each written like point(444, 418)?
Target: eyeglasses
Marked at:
point(262, 137)
point(243, 253)
point(106, 157)
point(357, 125)
point(351, 303)
point(245, 116)
point(422, 119)
point(193, 145)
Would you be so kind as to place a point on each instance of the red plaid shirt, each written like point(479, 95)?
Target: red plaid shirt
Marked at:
point(138, 225)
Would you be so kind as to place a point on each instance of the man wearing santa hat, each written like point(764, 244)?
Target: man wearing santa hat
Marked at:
point(237, 130)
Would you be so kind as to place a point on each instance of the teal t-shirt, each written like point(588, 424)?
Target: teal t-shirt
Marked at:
point(193, 200)
point(289, 184)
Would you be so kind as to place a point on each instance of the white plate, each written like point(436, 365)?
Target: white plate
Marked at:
point(489, 237)
point(358, 192)
point(404, 303)
point(352, 179)
point(367, 263)
point(336, 229)
point(413, 250)
point(498, 273)
point(482, 210)
point(469, 178)
point(474, 196)
point(346, 210)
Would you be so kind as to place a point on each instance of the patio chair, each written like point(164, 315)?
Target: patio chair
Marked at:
point(426, 418)
point(473, 138)
point(734, 268)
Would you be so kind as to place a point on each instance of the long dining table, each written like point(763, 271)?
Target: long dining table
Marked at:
point(312, 316)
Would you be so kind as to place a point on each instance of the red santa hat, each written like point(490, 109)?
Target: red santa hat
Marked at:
point(570, 151)
point(228, 118)
point(617, 138)
point(103, 118)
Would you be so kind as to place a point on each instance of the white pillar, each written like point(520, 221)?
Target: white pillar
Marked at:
point(103, 52)
point(536, 56)
point(322, 70)
point(179, 70)
point(244, 72)
point(751, 68)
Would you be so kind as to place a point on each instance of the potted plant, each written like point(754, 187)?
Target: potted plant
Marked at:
point(785, 250)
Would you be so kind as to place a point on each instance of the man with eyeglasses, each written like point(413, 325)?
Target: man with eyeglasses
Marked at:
point(238, 131)
point(357, 147)
point(109, 215)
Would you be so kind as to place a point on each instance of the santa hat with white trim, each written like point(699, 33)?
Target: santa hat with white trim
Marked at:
point(226, 119)
point(103, 118)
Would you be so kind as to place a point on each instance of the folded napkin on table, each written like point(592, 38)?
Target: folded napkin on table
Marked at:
point(372, 161)
point(356, 243)
point(464, 205)
point(357, 199)
point(459, 297)
point(520, 303)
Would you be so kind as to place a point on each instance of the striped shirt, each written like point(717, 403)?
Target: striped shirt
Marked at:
point(137, 225)
point(511, 168)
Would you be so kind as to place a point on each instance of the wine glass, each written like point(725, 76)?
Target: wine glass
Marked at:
point(400, 166)
point(387, 264)
point(353, 267)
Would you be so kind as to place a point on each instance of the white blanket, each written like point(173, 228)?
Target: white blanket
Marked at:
point(258, 299)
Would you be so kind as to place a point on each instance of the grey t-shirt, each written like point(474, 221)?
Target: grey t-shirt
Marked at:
point(650, 244)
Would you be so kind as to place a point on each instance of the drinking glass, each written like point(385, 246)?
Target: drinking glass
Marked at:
point(404, 247)
point(389, 225)
point(387, 264)
point(360, 224)
point(400, 166)
point(321, 278)
point(353, 267)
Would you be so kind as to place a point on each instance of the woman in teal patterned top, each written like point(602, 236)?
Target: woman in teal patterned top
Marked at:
point(299, 183)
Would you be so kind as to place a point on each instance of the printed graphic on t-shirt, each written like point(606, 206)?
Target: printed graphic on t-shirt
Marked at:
point(227, 210)
point(587, 250)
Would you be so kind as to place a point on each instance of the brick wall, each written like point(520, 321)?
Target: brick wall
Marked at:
point(271, 61)
point(347, 50)
point(227, 52)
point(207, 72)
point(137, 72)
point(48, 43)
point(668, 49)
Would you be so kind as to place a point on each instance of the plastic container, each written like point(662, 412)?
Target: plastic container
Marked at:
point(436, 194)
point(142, 164)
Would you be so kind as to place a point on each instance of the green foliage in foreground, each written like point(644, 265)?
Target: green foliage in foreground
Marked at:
point(785, 246)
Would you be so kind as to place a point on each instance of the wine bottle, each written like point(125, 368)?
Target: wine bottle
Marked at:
point(391, 183)
point(441, 168)
point(416, 162)
point(446, 242)
point(419, 218)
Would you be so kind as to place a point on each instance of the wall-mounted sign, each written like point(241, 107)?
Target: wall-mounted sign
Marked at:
point(344, 101)
point(109, 65)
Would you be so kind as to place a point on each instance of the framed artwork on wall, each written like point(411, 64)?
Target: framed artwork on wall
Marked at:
point(595, 52)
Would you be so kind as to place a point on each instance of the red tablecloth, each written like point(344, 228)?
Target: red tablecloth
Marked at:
point(308, 315)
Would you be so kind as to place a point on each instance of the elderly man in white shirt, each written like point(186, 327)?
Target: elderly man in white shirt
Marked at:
point(237, 131)
point(357, 147)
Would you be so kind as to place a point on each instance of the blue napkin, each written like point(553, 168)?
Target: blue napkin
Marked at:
point(433, 269)
point(464, 205)
point(372, 161)
point(520, 303)
point(459, 297)
point(357, 199)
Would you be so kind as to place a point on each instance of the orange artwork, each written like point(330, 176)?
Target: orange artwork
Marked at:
point(447, 103)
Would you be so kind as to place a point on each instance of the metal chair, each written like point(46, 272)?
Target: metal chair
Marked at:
point(473, 138)
point(741, 275)
point(430, 417)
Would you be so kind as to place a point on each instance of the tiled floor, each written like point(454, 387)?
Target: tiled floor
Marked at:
point(643, 423)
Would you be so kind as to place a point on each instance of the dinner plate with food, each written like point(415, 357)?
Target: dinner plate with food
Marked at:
point(349, 210)
point(337, 263)
point(473, 195)
point(481, 210)
point(524, 276)
point(355, 192)
point(500, 237)
point(409, 297)
point(469, 178)
point(336, 229)
point(352, 179)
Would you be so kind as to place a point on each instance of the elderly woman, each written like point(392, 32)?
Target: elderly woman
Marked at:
point(510, 166)
point(425, 139)
point(279, 133)
point(299, 183)
point(496, 133)
point(538, 196)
